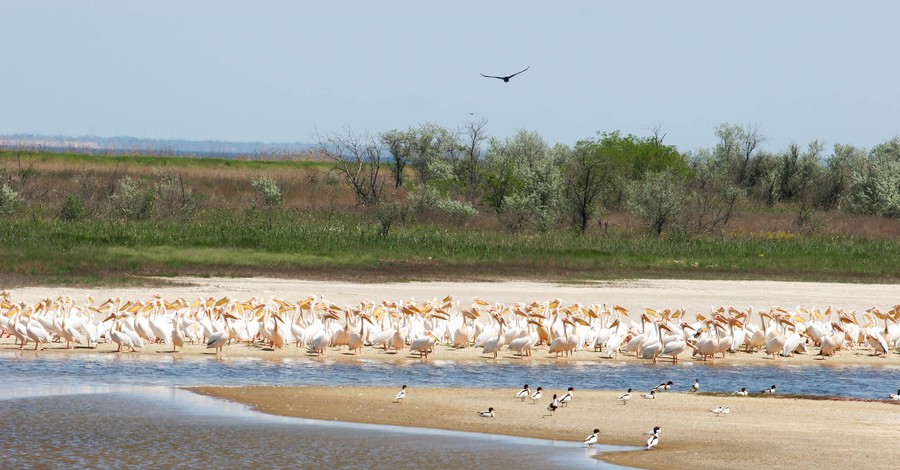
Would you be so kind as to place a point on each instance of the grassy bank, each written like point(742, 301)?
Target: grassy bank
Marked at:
point(219, 244)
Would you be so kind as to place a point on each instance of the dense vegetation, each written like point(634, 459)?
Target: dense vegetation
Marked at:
point(430, 202)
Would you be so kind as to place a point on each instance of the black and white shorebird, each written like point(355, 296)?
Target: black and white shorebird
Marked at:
point(770, 390)
point(507, 77)
point(696, 387)
point(896, 397)
point(654, 438)
point(649, 396)
point(400, 395)
point(663, 387)
point(592, 439)
point(524, 393)
point(721, 411)
point(487, 414)
point(570, 394)
point(625, 397)
point(537, 395)
point(742, 392)
point(554, 404)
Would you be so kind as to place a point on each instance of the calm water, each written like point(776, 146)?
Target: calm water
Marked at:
point(122, 412)
point(37, 372)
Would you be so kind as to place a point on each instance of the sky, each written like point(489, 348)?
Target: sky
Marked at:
point(283, 71)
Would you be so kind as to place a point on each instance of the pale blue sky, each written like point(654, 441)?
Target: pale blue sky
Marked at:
point(279, 70)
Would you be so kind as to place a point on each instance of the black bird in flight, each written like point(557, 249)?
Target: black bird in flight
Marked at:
point(506, 78)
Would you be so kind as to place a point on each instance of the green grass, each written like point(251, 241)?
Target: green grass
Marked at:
point(222, 243)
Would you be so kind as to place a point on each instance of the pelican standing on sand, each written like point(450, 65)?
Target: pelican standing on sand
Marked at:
point(401, 395)
point(592, 439)
point(487, 414)
point(524, 393)
point(654, 438)
point(625, 397)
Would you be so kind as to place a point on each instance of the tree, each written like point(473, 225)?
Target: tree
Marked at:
point(430, 149)
point(468, 168)
point(656, 199)
point(837, 178)
point(357, 159)
point(713, 196)
point(521, 169)
point(876, 182)
point(736, 149)
point(585, 178)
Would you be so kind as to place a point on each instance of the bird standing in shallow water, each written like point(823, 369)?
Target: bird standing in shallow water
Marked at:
point(592, 439)
point(654, 438)
point(487, 414)
point(696, 387)
point(401, 395)
point(625, 397)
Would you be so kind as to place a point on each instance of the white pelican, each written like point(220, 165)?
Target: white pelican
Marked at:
point(896, 397)
point(665, 386)
point(487, 414)
point(654, 438)
point(770, 390)
point(649, 396)
point(524, 393)
point(625, 397)
point(401, 395)
point(493, 344)
point(696, 387)
point(720, 411)
point(570, 394)
point(424, 345)
point(592, 439)
point(554, 404)
point(742, 392)
point(537, 395)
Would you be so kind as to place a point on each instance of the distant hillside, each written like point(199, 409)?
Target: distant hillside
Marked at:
point(138, 146)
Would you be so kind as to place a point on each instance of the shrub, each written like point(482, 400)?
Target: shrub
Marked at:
point(9, 200)
point(131, 201)
point(459, 212)
point(267, 188)
point(73, 209)
point(656, 200)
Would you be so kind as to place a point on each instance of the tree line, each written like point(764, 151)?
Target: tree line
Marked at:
point(529, 184)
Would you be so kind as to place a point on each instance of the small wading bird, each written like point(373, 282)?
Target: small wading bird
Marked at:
point(524, 393)
point(649, 396)
point(487, 414)
point(401, 395)
point(625, 397)
point(537, 395)
point(592, 439)
point(663, 387)
point(564, 401)
point(770, 390)
point(654, 438)
point(721, 411)
point(742, 392)
point(553, 405)
point(896, 397)
point(696, 387)
point(506, 78)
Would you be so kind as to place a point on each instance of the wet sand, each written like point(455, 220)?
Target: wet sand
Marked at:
point(760, 432)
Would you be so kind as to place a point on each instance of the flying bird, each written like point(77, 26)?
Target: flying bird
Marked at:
point(506, 78)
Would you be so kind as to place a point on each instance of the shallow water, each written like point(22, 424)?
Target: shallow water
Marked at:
point(40, 373)
point(159, 427)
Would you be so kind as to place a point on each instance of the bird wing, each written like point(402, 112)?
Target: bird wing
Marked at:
point(520, 71)
point(492, 76)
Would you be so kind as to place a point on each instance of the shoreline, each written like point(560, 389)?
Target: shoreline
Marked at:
point(775, 432)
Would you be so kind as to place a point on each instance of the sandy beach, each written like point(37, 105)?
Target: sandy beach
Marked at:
point(770, 432)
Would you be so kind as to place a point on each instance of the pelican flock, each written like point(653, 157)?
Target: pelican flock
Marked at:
point(517, 330)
